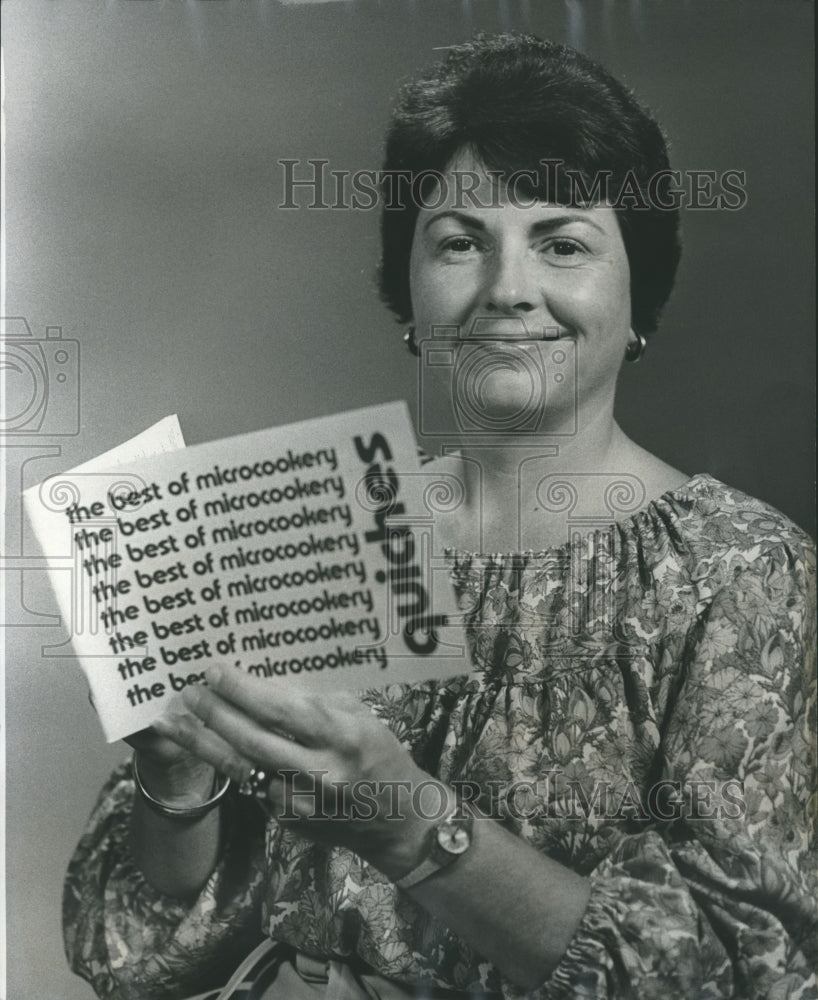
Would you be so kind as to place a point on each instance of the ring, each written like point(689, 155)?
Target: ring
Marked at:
point(255, 784)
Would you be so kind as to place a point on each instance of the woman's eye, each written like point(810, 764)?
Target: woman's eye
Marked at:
point(564, 248)
point(460, 244)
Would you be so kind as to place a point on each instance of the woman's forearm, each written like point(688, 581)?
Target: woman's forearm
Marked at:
point(517, 907)
point(176, 856)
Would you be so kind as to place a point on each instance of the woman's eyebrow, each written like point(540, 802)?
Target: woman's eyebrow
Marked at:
point(472, 221)
point(540, 226)
point(563, 219)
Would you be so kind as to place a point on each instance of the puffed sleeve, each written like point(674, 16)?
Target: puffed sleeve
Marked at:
point(130, 941)
point(719, 900)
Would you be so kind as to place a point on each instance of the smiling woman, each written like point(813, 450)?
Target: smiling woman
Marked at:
point(614, 803)
point(539, 272)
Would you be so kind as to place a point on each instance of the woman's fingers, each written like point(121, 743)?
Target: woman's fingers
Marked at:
point(187, 732)
point(234, 727)
point(322, 760)
point(294, 713)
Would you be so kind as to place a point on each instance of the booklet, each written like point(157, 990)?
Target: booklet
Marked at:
point(302, 554)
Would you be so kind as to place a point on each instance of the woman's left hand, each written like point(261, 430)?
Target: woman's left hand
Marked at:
point(336, 774)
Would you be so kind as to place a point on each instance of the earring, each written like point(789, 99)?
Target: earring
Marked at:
point(411, 343)
point(636, 349)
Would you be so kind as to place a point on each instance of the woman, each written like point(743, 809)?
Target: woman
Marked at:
point(632, 749)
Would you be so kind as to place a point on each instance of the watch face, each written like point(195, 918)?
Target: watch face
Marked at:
point(454, 836)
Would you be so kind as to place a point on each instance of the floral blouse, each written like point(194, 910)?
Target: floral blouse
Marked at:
point(642, 710)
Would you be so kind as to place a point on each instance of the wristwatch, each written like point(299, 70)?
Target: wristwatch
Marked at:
point(447, 842)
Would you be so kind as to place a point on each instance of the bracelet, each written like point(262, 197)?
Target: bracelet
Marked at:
point(177, 812)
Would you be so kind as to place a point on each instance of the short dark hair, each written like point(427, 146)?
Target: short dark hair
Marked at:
point(514, 101)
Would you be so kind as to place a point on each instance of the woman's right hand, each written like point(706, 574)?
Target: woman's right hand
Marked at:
point(175, 858)
point(169, 772)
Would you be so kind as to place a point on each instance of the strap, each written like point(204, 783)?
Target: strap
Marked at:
point(240, 983)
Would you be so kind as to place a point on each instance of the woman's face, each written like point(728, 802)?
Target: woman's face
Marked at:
point(501, 269)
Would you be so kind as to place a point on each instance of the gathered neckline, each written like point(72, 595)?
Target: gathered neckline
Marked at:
point(695, 482)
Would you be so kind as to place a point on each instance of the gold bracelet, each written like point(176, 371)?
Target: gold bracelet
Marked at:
point(176, 812)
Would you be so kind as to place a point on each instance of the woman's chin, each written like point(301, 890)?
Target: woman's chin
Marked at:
point(506, 412)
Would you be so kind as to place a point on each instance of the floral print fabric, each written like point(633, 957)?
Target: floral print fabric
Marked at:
point(642, 710)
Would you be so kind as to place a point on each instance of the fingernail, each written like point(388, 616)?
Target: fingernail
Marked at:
point(165, 724)
point(214, 674)
point(171, 715)
point(169, 725)
point(191, 696)
point(177, 719)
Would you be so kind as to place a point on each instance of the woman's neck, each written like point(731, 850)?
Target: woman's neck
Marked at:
point(525, 493)
point(497, 470)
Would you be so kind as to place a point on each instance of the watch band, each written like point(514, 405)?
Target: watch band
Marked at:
point(426, 868)
point(437, 856)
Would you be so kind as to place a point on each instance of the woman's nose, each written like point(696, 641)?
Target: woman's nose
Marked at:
point(511, 284)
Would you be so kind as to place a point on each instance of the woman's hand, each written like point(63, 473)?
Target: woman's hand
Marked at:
point(339, 776)
point(170, 772)
point(336, 773)
point(176, 857)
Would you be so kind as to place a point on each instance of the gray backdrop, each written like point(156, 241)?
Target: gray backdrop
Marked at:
point(142, 217)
